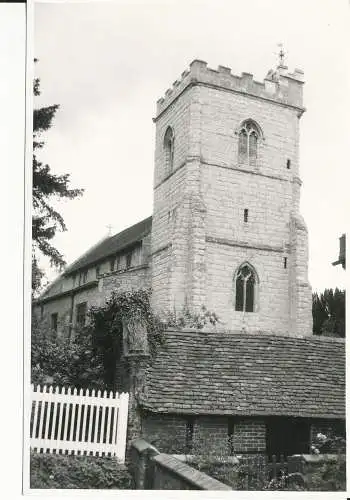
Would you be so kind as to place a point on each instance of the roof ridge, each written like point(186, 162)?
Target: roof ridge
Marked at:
point(236, 334)
point(113, 240)
point(131, 227)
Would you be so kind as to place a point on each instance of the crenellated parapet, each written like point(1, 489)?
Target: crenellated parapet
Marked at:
point(279, 85)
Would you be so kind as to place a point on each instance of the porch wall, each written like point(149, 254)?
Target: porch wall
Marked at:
point(171, 433)
point(168, 433)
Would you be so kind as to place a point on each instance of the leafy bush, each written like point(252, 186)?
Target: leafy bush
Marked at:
point(77, 472)
point(328, 476)
point(75, 362)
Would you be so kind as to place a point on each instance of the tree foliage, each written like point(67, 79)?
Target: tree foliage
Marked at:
point(77, 363)
point(328, 311)
point(46, 220)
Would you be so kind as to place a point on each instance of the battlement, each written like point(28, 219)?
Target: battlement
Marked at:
point(279, 85)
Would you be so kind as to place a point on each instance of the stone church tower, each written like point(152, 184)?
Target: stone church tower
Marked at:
point(227, 232)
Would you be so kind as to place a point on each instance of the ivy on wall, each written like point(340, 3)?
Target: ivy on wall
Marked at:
point(94, 357)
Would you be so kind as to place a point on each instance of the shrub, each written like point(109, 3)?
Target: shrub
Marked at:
point(67, 362)
point(77, 472)
point(187, 319)
point(330, 474)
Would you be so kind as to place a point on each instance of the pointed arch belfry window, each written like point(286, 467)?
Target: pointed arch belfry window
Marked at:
point(249, 135)
point(245, 284)
point(169, 139)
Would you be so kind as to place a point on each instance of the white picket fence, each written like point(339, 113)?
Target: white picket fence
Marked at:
point(67, 421)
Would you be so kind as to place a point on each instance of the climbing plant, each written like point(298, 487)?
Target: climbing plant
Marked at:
point(93, 357)
point(106, 322)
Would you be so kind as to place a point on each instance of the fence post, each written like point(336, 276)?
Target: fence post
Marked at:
point(122, 426)
point(274, 467)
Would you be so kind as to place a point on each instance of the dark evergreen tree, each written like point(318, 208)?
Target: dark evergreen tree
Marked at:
point(46, 186)
point(328, 311)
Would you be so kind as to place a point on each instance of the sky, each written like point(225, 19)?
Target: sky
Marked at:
point(106, 64)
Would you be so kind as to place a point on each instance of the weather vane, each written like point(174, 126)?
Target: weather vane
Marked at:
point(281, 54)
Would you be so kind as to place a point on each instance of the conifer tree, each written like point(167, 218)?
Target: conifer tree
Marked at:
point(328, 311)
point(46, 187)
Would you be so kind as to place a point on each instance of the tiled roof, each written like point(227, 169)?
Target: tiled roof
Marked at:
point(247, 374)
point(112, 245)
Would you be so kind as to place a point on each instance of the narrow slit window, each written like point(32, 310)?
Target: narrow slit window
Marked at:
point(246, 215)
point(81, 311)
point(288, 163)
point(285, 261)
point(54, 322)
point(169, 140)
point(128, 260)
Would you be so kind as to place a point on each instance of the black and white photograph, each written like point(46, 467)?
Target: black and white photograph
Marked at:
point(186, 246)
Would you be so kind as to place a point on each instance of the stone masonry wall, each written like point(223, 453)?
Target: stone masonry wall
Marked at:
point(221, 116)
point(171, 215)
point(62, 307)
point(120, 281)
point(206, 246)
point(272, 298)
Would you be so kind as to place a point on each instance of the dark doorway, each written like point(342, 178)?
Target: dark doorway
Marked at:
point(287, 436)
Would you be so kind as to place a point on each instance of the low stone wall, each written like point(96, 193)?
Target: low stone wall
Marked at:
point(160, 471)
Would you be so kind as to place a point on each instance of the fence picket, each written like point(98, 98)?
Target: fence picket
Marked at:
point(72, 421)
point(59, 425)
point(49, 407)
point(42, 409)
point(109, 420)
point(36, 405)
point(60, 418)
point(65, 429)
point(102, 428)
point(114, 425)
point(77, 432)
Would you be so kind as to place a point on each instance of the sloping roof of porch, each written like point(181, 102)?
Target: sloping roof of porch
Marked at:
point(247, 374)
